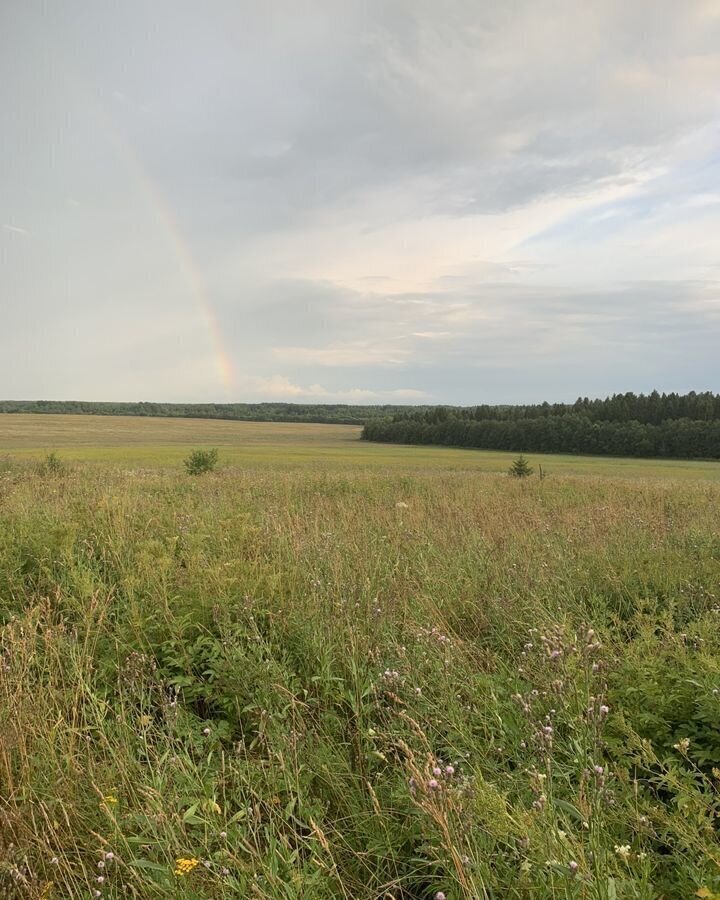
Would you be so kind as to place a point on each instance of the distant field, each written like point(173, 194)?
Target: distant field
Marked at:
point(150, 442)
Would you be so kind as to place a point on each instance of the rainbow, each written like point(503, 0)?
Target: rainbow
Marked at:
point(188, 267)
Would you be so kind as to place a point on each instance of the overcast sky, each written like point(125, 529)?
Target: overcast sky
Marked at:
point(391, 201)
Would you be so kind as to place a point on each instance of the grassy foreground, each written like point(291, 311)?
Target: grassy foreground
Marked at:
point(348, 679)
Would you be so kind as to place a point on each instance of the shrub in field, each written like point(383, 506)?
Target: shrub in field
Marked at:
point(52, 465)
point(201, 461)
point(521, 468)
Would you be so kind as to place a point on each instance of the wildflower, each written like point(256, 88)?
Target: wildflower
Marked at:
point(100, 879)
point(97, 893)
point(433, 784)
point(110, 799)
point(101, 864)
point(449, 771)
point(440, 896)
point(604, 710)
point(223, 835)
point(683, 745)
point(109, 855)
point(418, 691)
point(598, 770)
point(573, 867)
point(54, 861)
point(183, 865)
point(206, 731)
point(437, 771)
point(623, 851)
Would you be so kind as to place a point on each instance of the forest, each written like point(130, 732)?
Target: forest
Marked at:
point(646, 425)
point(340, 413)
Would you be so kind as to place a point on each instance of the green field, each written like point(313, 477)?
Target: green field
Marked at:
point(333, 669)
point(136, 441)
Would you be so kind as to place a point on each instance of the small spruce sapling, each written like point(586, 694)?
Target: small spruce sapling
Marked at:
point(520, 468)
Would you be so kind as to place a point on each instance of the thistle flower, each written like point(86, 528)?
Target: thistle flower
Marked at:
point(433, 784)
point(440, 896)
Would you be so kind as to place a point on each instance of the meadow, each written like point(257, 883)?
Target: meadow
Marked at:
point(333, 669)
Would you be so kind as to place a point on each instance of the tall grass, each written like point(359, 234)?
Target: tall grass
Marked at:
point(355, 685)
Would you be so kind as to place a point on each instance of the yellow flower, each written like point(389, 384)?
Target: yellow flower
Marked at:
point(184, 866)
point(47, 890)
point(110, 799)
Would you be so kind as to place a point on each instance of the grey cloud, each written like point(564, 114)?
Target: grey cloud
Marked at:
point(156, 151)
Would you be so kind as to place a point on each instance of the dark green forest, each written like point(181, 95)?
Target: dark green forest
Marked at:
point(338, 413)
point(682, 426)
point(648, 425)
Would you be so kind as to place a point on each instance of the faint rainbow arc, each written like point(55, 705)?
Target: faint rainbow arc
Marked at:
point(185, 258)
point(180, 247)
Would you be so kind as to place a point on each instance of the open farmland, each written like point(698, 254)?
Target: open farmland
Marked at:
point(136, 442)
point(333, 669)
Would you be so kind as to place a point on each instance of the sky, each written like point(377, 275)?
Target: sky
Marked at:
point(362, 201)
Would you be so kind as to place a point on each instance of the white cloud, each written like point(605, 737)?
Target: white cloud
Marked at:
point(279, 387)
point(16, 229)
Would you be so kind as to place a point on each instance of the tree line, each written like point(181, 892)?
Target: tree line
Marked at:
point(654, 425)
point(332, 413)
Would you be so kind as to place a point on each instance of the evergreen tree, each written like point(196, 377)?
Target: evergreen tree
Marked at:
point(521, 468)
